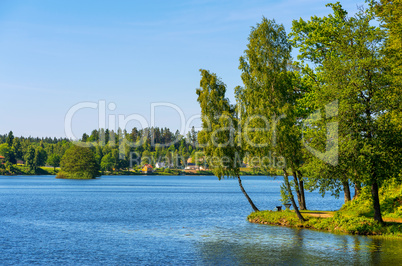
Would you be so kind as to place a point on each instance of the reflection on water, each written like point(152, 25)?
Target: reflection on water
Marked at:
point(276, 245)
point(165, 220)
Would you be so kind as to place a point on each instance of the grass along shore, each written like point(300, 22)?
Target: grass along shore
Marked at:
point(338, 223)
point(355, 217)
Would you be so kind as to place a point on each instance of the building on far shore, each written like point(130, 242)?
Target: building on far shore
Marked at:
point(163, 165)
point(2, 158)
point(160, 165)
point(147, 168)
point(191, 166)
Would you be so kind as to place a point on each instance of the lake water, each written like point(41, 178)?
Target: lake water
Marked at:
point(191, 220)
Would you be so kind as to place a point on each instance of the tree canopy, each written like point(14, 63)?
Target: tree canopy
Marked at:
point(78, 163)
point(219, 136)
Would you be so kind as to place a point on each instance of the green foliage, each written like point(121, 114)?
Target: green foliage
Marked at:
point(390, 14)
point(219, 136)
point(107, 162)
point(285, 197)
point(35, 157)
point(269, 102)
point(355, 217)
point(78, 163)
point(30, 158)
point(40, 157)
point(7, 152)
point(351, 70)
point(10, 139)
point(285, 218)
point(17, 149)
point(54, 160)
point(390, 199)
point(149, 140)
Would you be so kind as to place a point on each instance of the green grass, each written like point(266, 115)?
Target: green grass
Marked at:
point(18, 169)
point(355, 217)
point(338, 223)
point(80, 175)
point(390, 200)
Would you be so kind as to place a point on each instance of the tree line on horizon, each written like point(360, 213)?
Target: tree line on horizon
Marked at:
point(149, 145)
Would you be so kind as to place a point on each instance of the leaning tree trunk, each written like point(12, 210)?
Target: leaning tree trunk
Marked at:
point(245, 194)
point(285, 177)
point(346, 190)
point(299, 187)
point(296, 184)
point(357, 189)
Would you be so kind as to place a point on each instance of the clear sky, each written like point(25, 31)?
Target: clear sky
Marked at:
point(130, 54)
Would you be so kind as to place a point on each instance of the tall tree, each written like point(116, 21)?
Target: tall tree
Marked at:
point(78, 163)
point(351, 69)
point(30, 158)
point(219, 136)
point(268, 103)
point(54, 160)
point(10, 139)
point(17, 149)
point(40, 157)
point(7, 152)
point(390, 14)
point(107, 162)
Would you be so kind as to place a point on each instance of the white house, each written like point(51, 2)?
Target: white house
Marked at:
point(160, 165)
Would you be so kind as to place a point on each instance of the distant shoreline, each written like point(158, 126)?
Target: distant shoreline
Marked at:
point(23, 170)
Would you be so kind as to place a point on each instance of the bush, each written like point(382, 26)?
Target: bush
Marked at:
point(78, 163)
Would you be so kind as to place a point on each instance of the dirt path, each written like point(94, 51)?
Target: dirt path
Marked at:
point(322, 214)
point(327, 214)
point(395, 220)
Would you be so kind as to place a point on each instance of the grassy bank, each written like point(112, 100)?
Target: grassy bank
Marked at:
point(24, 170)
point(338, 223)
point(355, 217)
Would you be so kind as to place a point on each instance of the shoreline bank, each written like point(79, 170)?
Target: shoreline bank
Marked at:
point(337, 223)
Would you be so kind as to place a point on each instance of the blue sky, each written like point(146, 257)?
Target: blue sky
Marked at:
point(56, 54)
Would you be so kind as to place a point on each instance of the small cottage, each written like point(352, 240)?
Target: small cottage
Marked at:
point(147, 168)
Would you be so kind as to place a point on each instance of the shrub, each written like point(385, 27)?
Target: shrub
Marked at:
point(78, 163)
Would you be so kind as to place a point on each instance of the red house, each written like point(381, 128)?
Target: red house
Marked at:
point(147, 169)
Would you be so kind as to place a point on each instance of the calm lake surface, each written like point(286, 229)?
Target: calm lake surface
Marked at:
point(165, 220)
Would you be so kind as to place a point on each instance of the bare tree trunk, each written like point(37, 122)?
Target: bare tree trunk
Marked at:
point(299, 187)
point(357, 189)
point(346, 190)
point(285, 177)
point(376, 202)
point(298, 194)
point(245, 194)
point(303, 198)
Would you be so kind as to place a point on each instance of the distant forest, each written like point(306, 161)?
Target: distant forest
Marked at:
point(113, 150)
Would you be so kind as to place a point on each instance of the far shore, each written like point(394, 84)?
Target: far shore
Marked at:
point(46, 170)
